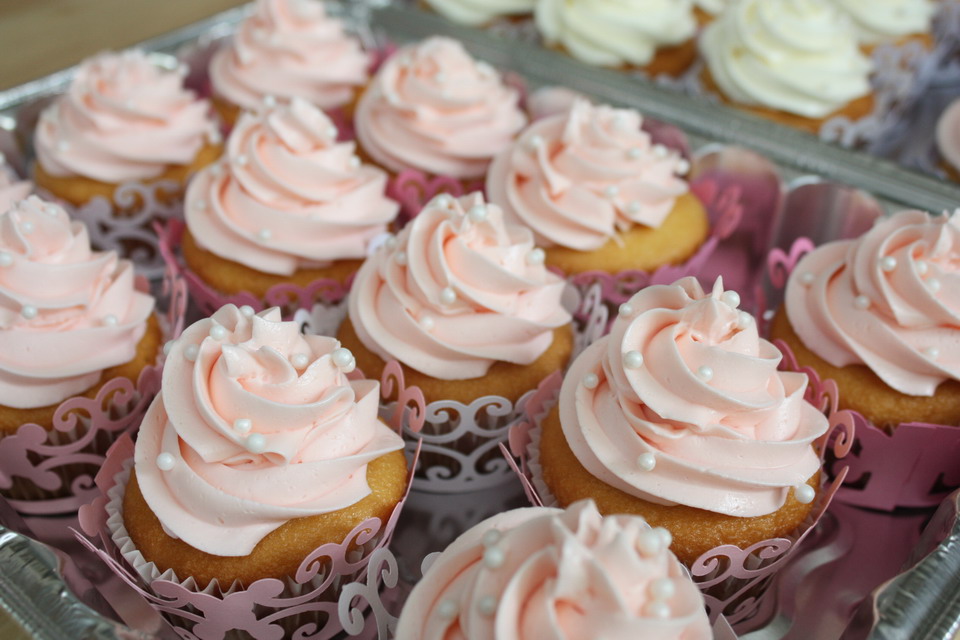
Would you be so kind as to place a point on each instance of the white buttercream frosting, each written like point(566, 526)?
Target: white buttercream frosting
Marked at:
point(478, 12)
point(879, 21)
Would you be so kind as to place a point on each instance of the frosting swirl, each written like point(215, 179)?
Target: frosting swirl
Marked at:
point(433, 107)
point(684, 380)
point(798, 56)
point(255, 424)
point(713, 7)
point(289, 196)
point(948, 134)
point(885, 300)
point(547, 573)
point(579, 177)
point(289, 49)
point(886, 20)
point(12, 188)
point(457, 290)
point(66, 312)
point(614, 33)
point(123, 118)
point(479, 12)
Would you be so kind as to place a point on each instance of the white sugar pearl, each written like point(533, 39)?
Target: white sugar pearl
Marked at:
point(242, 160)
point(342, 357)
point(110, 320)
point(612, 191)
point(657, 609)
point(247, 311)
point(51, 210)
point(625, 310)
point(255, 443)
point(535, 142)
point(354, 162)
point(439, 77)
point(27, 227)
point(448, 296)
point(269, 101)
point(487, 605)
point(804, 493)
point(401, 257)
point(215, 137)
point(166, 462)
point(662, 589)
point(732, 298)
point(390, 242)
point(922, 267)
point(264, 235)
point(743, 320)
point(590, 381)
point(888, 263)
point(243, 425)
point(493, 558)
point(6, 259)
point(491, 537)
point(647, 461)
point(428, 323)
point(633, 359)
point(861, 302)
point(649, 542)
point(536, 256)
point(168, 346)
point(201, 204)
point(666, 539)
point(448, 609)
point(682, 167)
point(63, 145)
point(191, 352)
point(478, 213)
point(931, 352)
point(29, 311)
point(332, 132)
point(705, 373)
point(300, 360)
point(633, 207)
point(216, 170)
point(444, 201)
point(660, 151)
point(933, 284)
point(218, 331)
point(807, 278)
point(635, 153)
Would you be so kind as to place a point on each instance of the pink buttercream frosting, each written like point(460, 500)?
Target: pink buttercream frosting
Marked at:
point(561, 574)
point(255, 425)
point(948, 135)
point(66, 312)
point(12, 188)
point(289, 49)
point(889, 300)
point(457, 290)
point(682, 403)
point(289, 195)
point(433, 107)
point(579, 177)
point(123, 118)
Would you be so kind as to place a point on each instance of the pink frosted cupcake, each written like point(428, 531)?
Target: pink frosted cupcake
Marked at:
point(551, 573)
point(287, 49)
point(290, 205)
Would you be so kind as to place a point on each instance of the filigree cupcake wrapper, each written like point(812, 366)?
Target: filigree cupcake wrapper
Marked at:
point(46, 471)
point(912, 465)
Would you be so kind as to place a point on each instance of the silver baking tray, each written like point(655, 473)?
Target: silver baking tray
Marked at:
point(56, 590)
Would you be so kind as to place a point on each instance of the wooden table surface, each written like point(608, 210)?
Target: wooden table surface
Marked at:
point(42, 36)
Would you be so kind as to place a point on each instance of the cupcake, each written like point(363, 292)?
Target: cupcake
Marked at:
point(480, 12)
point(656, 36)
point(462, 300)
point(71, 320)
point(598, 194)
point(890, 21)
point(290, 205)
point(948, 140)
point(433, 108)
point(123, 119)
point(681, 416)
point(257, 451)
point(551, 573)
point(878, 315)
point(287, 49)
point(796, 63)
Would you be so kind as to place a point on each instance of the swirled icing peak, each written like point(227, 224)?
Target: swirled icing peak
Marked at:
point(798, 56)
point(122, 118)
point(579, 177)
point(290, 49)
point(682, 403)
point(479, 12)
point(887, 20)
point(573, 574)
point(66, 312)
point(433, 107)
point(457, 290)
point(887, 300)
point(948, 134)
point(255, 424)
point(289, 195)
point(615, 33)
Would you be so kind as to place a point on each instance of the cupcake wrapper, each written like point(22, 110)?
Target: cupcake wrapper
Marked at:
point(288, 296)
point(914, 465)
point(413, 189)
point(268, 609)
point(50, 471)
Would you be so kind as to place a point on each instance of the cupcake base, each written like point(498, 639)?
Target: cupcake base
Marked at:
point(642, 248)
point(79, 190)
point(694, 531)
point(861, 390)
